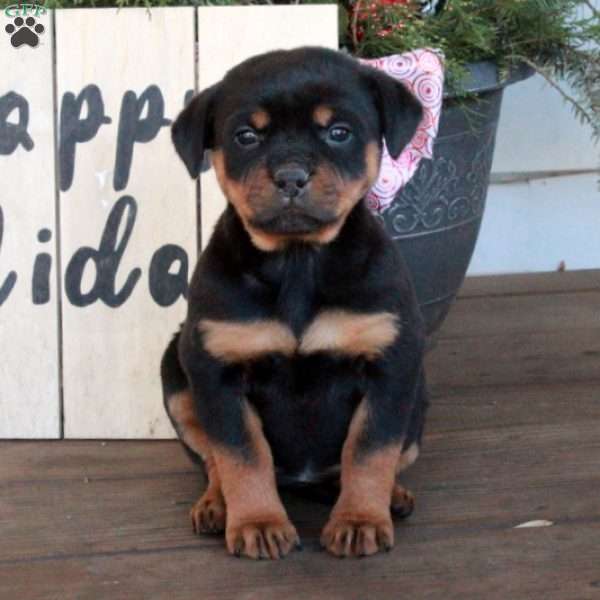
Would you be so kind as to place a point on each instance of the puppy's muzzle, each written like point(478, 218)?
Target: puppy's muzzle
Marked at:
point(294, 211)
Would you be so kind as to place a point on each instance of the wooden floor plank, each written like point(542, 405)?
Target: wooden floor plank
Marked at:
point(74, 459)
point(496, 315)
point(531, 283)
point(517, 359)
point(484, 407)
point(559, 562)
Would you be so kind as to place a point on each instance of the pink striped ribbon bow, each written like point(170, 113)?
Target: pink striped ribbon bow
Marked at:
point(422, 72)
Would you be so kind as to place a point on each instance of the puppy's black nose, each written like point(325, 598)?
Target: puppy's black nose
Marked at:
point(291, 180)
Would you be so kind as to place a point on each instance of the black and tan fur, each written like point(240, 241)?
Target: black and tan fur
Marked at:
point(301, 353)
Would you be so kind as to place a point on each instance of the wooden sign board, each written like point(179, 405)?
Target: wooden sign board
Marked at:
point(29, 369)
point(227, 35)
point(127, 212)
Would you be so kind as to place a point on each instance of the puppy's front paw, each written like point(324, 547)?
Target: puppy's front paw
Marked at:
point(208, 514)
point(357, 535)
point(262, 538)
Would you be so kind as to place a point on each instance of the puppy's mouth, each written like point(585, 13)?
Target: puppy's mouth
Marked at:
point(292, 222)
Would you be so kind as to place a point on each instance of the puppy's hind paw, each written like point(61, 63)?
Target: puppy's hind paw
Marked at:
point(208, 514)
point(403, 502)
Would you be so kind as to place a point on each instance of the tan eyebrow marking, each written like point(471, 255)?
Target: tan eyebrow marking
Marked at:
point(350, 333)
point(239, 341)
point(322, 115)
point(260, 119)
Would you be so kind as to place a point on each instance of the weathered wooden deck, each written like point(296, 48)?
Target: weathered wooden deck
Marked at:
point(513, 436)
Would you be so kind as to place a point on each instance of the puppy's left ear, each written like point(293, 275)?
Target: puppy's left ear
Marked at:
point(399, 111)
point(193, 130)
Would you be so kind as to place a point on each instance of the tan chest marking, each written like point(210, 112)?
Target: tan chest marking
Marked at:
point(334, 331)
point(349, 333)
point(239, 341)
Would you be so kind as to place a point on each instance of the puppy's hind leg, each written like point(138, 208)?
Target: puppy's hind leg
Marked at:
point(403, 501)
point(208, 513)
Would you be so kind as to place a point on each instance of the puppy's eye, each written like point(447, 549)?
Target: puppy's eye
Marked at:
point(338, 134)
point(246, 137)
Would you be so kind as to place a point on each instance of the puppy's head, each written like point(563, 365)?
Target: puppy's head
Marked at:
point(296, 140)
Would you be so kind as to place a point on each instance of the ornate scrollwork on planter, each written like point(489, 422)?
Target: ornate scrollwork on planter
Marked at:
point(445, 191)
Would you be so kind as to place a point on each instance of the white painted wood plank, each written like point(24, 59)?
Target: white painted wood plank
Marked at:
point(534, 227)
point(537, 129)
point(29, 398)
point(113, 344)
point(227, 35)
point(538, 132)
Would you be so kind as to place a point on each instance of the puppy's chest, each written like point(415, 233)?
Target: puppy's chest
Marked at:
point(299, 314)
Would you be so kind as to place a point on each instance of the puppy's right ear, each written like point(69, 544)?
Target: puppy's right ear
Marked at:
point(193, 131)
point(400, 112)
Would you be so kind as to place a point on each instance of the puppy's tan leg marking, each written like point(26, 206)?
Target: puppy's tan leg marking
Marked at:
point(238, 341)
point(349, 333)
point(208, 513)
point(257, 523)
point(403, 501)
point(408, 457)
point(360, 523)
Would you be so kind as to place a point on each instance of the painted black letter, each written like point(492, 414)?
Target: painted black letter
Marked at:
point(166, 287)
point(11, 135)
point(106, 259)
point(132, 129)
point(74, 130)
point(40, 280)
point(11, 278)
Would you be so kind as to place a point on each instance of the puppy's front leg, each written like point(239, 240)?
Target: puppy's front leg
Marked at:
point(360, 523)
point(257, 524)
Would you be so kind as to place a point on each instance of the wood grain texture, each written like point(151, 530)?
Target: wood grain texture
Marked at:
point(531, 283)
point(29, 374)
point(112, 354)
point(90, 519)
point(540, 313)
point(255, 29)
point(532, 358)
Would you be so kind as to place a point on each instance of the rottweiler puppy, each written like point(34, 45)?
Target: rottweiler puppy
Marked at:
point(301, 354)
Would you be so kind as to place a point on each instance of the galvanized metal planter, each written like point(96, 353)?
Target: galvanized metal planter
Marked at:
point(435, 218)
